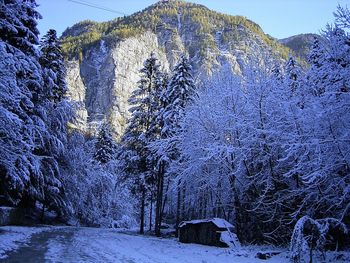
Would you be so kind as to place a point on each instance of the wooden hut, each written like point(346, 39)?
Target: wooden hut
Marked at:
point(206, 232)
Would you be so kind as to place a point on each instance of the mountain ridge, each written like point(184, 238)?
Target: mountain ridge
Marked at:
point(158, 14)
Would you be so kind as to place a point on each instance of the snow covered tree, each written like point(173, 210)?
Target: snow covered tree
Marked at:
point(18, 25)
point(105, 146)
point(52, 61)
point(55, 86)
point(294, 80)
point(317, 59)
point(179, 94)
point(53, 109)
point(34, 128)
point(135, 151)
point(324, 170)
point(327, 123)
point(21, 81)
point(235, 144)
point(206, 144)
point(156, 159)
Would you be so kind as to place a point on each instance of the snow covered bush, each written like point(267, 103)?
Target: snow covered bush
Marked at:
point(125, 222)
point(310, 238)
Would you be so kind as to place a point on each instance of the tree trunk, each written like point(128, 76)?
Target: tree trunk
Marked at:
point(156, 226)
point(159, 210)
point(178, 208)
point(182, 214)
point(142, 214)
point(165, 197)
point(42, 214)
point(150, 214)
point(161, 199)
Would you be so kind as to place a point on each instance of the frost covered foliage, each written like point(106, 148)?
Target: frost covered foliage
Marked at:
point(233, 145)
point(17, 161)
point(22, 128)
point(55, 111)
point(268, 148)
point(18, 129)
point(96, 193)
point(326, 125)
point(33, 119)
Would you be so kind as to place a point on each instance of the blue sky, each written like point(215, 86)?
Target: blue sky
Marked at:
point(279, 18)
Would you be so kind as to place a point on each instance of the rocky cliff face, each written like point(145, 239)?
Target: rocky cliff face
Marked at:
point(104, 59)
point(102, 82)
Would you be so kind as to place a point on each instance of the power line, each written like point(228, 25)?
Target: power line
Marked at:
point(97, 7)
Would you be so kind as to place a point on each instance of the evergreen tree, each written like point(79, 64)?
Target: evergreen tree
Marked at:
point(135, 151)
point(55, 86)
point(156, 159)
point(293, 75)
point(18, 26)
point(158, 104)
point(105, 145)
point(53, 63)
point(20, 81)
point(178, 95)
point(316, 75)
point(55, 111)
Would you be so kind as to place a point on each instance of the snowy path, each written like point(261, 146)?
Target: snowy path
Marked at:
point(68, 244)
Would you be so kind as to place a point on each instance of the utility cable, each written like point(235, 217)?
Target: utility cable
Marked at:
point(80, 2)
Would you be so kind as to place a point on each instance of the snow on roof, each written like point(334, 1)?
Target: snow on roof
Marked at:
point(219, 222)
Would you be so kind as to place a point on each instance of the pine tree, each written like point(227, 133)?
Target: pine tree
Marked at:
point(105, 145)
point(138, 133)
point(156, 159)
point(178, 95)
point(293, 75)
point(20, 81)
point(55, 111)
point(18, 25)
point(53, 63)
point(158, 104)
point(316, 75)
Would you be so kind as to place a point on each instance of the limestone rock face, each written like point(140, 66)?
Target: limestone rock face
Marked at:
point(102, 79)
point(101, 84)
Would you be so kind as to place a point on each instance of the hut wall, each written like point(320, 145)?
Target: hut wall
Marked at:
point(206, 233)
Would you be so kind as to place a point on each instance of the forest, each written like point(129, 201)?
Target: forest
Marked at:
point(268, 150)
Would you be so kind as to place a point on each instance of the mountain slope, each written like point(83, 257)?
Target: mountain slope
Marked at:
point(300, 44)
point(103, 59)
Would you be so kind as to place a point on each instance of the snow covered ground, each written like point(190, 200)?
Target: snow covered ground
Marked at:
point(12, 237)
point(68, 244)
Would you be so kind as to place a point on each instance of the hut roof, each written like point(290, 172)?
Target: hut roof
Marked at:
point(219, 222)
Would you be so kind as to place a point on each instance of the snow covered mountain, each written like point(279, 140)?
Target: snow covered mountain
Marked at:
point(103, 59)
